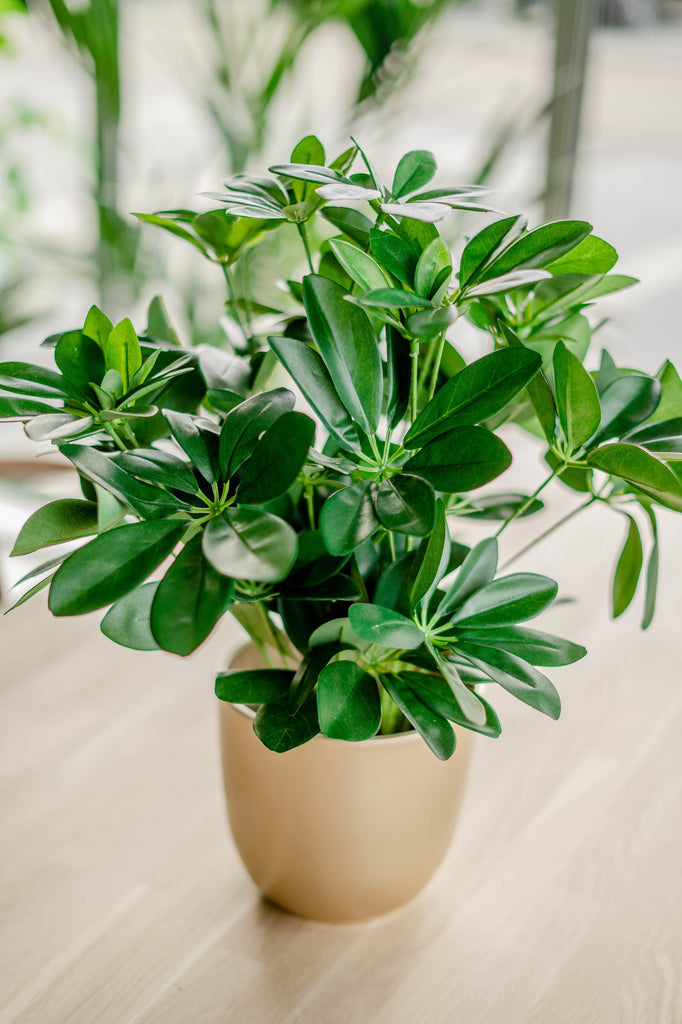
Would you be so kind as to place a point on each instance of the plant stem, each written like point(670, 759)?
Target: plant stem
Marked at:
point(309, 500)
point(303, 232)
point(414, 386)
point(436, 366)
point(233, 302)
point(549, 530)
point(529, 500)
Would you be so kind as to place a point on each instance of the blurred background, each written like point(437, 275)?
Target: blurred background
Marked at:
point(113, 106)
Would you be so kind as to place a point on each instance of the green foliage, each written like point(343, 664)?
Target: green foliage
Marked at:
point(331, 533)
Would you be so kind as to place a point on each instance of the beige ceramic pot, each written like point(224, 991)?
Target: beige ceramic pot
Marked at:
point(336, 831)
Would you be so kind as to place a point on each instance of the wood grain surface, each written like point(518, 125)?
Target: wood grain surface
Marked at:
point(124, 902)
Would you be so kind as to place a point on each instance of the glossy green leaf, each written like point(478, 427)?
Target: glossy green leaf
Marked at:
point(59, 521)
point(359, 265)
point(81, 360)
point(245, 423)
point(253, 686)
point(435, 730)
point(486, 246)
point(122, 351)
point(111, 565)
point(429, 323)
point(127, 621)
point(348, 518)
point(406, 504)
point(348, 346)
point(395, 583)
point(476, 571)
point(532, 645)
point(516, 676)
point(199, 446)
point(158, 324)
point(54, 426)
point(539, 248)
point(27, 379)
point(307, 673)
point(433, 557)
point(247, 544)
point(189, 601)
point(394, 254)
point(97, 326)
point(351, 222)
point(628, 569)
point(398, 365)
point(538, 389)
point(662, 437)
point(670, 404)
point(591, 256)
point(336, 191)
point(348, 702)
point(436, 694)
point(158, 467)
point(576, 397)
point(143, 498)
point(507, 600)
point(641, 468)
point(385, 627)
point(394, 298)
point(479, 391)
point(651, 573)
point(277, 459)
point(312, 377)
point(470, 705)
point(280, 730)
point(512, 281)
point(461, 459)
point(433, 268)
point(414, 170)
point(22, 408)
point(172, 228)
point(625, 403)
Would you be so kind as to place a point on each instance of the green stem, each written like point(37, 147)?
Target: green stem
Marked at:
point(550, 530)
point(436, 366)
point(391, 714)
point(303, 232)
point(414, 386)
point(529, 500)
point(426, 366)
point(244, 274)
point(310, 502)
point(232, 295)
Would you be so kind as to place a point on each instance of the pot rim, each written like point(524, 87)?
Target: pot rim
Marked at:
point(403, 737)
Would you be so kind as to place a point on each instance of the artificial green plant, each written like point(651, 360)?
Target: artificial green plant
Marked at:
point(330, 530)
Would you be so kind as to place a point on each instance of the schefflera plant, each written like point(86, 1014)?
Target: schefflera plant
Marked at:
point(329, 539)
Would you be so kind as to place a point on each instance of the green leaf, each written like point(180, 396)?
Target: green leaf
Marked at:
point(651, 573)
point(81, 360)
point(641, 468)
point(250, 545)
point(189, 601)
point(144, 499)
point(352, 223)
point(394, 254)
point(414, 170)
point(486, 246)
point(348, 702)
point(663, 437)
point(433, 555)
point(628, 569)
point(197, 444)
point(516, 676)
point(27, 379)
point(436, 694)
point(122, 351)
point(280, 731)
point(348, 518)
point(359, 265)
point(254, 686)
point(97, 326)
point(307, 673)
point(393, 298)
point(479, 391)
point(435, 730)
point(432, 322)
point(470, 705)
point(398, 376)
point(513, 281)
point(349, 348)
point(277, 459)
point(55, 523)
point(22, 408)
point(406, 504)
point(626, 403)
point(532, 645)
point(577, 398)
point(433, 268)
point(395, 583)
point(507, 600)
point(158, 325)
point(54, 426)
point(173, 228)
point(127, 621)
point(384, 627)
point(476, 571)
point(461, 459)
point(670, 404)
point(539, 248)
point(111, 565)
point(243, 425)
point(591, 256)
point(158, 467)
point(306, 367)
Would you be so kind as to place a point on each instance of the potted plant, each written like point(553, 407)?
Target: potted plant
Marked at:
point(331, 534)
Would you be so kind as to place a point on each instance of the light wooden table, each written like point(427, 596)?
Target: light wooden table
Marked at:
point(123, 900)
